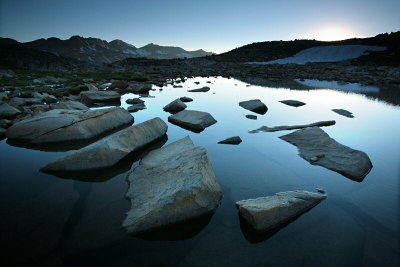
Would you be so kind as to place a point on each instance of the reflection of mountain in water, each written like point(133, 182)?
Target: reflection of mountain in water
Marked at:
point(390, 95)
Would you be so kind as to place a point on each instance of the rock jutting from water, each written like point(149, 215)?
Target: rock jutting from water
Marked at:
point(343, 112)
point(251, 117)
point(235, 140)
point(186, 99)
point(172, 184)
point(192, 120)
point(133, 101)
point(136, 107)
point(267, 213)
point(175, 106)
point(254, 105)
point(199, 90)
point(109, 151)
point(96, 98)
point(293, 103)
point(318, 148)
point(61, 125)
point(293, 127)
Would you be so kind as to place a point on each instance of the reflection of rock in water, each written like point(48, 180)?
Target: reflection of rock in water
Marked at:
point(318, 148)
point(102, 175)
point(178, 231)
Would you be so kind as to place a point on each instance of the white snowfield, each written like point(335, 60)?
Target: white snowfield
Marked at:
point(333, 53)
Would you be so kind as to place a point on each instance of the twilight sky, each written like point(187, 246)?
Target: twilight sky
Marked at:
point(213, 25)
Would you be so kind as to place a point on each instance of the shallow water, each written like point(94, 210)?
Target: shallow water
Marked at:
point(53, 221)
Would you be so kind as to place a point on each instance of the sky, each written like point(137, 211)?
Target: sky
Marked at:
point(212, 25)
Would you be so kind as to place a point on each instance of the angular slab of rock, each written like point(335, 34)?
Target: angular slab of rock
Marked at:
point(343, 112)
point(254, 105)
point(202, 89)
point(267, 213)
point(318, 148)
point(293, 127)
point(136, 107)
point(193, 120)
point(60, 125)
point(69, 105)
point(293, 103)
point(110, 150)
point(186, 99)
point(8, 112)
point(235, 140)
point(175, 106)
point(172, 184)
point(92, 98)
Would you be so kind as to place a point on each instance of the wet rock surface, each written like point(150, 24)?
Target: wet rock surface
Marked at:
point(235, 140)
point(171, 185)
point(318, 148)
point(343, 112)
point(193, 120)
point(293, 103)
point(254, 105)
point(267, 213)
point(293, 127)
point(109, 151)
point(60, 125)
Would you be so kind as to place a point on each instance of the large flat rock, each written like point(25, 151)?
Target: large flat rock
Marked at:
point(69, 105)
point(8, 112)
point(267, 213)
point(193, 120)
point(254, 105)
point(110, 150)
point(318, 148)
point(172, 184)
point(93, 98)
point(60, 125)
point(292, 127)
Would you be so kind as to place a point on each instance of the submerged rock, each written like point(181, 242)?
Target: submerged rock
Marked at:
point(172, 184)
point(110, 150)
point(318, 148)
point(8, 112)
point(93, 98)
point(235, 140)
point(60, 125)
point(202, 89)
point(343, 112)
point(175, 106)
point(267, 213)
point(69, 105)
point(186, 99)
point(293, 127)
point(193, 120)
point(293, 103)
point(254, 105)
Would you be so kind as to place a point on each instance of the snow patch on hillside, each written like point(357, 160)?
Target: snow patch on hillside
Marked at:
point(333, 53)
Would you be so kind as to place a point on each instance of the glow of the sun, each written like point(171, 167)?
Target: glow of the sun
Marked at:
point(332, 34)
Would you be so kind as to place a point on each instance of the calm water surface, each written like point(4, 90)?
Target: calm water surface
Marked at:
point(51, 221)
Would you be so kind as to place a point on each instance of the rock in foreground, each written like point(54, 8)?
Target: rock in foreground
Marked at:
point(108, 151)
point(293, 127)
point(171, 184)
point(8, 112)
point(69, 105)
point(254, 105)
point(267, 213)
point(343, 112)
point(293, 103)
point(96, 98)
point(318, 148)
point(61, 125)
point(192, 120)
point(235, 140)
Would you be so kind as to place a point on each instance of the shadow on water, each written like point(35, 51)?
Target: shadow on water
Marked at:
point(104, 174)
point(65, 146)
point(178, 231)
